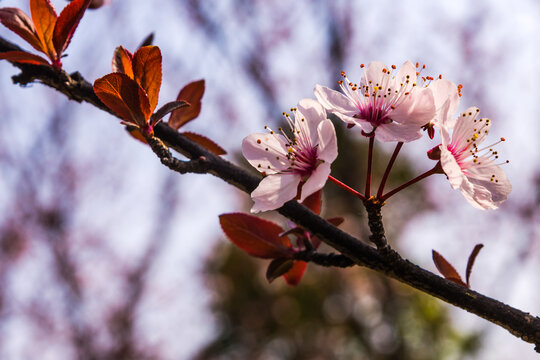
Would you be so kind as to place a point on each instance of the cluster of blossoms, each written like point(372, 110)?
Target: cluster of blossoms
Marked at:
point(389, 105)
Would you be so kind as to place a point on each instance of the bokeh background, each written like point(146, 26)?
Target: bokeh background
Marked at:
point(106, 254)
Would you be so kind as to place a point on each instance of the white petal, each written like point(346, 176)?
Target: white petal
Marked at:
point(335, 101)
point(451, 168)
point(466, 127)
point(418, 109)
point(313, 113)
point(262, 159)
point(328, 149)
point(316, 181)
point(397, 132)
point(274, 191)
point(445, 91)
point(499, 188)
point(477, 196)
point(407, 69)
point(374, 73)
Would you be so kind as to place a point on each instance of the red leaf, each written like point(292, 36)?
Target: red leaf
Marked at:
point(336, 221)
point(205, 142)
point(293, 276)
point(165, 109)
point(44, 17)
point(122, 62)
point(18, 22)
point(256, 236)
point(313, 202)
point(136, 133)
point(125, 97)
point(446, 269)
point(147, 72)
point(278, 267)
point(470, 262)
point(67, 23)
point(192, 93)
point(23, 57)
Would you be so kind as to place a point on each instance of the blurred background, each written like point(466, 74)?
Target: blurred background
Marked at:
point(106, 254)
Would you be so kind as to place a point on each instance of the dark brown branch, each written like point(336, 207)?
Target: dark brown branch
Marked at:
point(198, 166)
point(373, 208)
point(519, 323)
point(327, 260)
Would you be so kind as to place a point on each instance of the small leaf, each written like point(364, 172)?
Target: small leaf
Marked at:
point(205, 142)
point(67, 23)
point(149, 40)
point(256, 236)
point(18, 22)
point(278, 267)
point(123, 96)
point(446, 269)
point(470, 262)
point(336, 221)
point(192, 93)
point(136, 133)
point(313, 202)
point(147, 72)
point(44, 17)
point(122, 62)
point(165, 109)
point(293, 276)
point(298, 231)
point(23, 57)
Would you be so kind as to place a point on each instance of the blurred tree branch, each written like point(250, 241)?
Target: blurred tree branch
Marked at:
point(385, 260)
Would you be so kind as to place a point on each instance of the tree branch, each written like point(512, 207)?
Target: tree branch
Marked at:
point(519, 323)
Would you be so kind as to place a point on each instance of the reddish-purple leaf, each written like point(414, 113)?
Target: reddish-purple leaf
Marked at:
point(44, 17)
point(278, 267)
point(23, 57)
point(256, 236)
point(149, 40)
point(125, 97)
point(470, 262)
point(18, 22)
point(192, 93)
point(336, 221)
point(136, 133)
point(147, 72)
point(66, 24)
point(165, 109)
point(122, 61)
point(205, 142)
point(293, 276)
point(96, 4)
point(313, 202)
point(446, 269)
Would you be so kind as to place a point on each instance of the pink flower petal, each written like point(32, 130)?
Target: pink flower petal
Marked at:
point(274, 191)
point(316, 181)
point(313, 113)
point(336, 102)
point(445, 91)
point(254, 150)
point(328, 149)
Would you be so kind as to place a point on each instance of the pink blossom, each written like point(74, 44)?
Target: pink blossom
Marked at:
point(296, 165)
point(470, 168)
point(394, 104)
